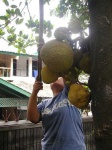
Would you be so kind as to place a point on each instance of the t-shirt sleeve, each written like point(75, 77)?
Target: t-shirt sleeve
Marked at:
point(40, 106)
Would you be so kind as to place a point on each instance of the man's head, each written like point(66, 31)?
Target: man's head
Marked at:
point(57, 86)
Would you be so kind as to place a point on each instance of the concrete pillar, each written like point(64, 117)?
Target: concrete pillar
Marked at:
point(30, 67)
point(11, 71)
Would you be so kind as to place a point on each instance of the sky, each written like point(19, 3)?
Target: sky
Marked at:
point(34, 10)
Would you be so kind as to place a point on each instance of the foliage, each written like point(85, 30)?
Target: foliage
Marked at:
point(76, 8)
point(14, 18)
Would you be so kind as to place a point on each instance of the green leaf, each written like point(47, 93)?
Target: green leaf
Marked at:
point(6, 2)
point(20, 33)
point(31, 44)
point(7, 22)
point(12, 12)
point(3, 18)
point(20, 3)
point(27, 25)
point(1, 32)
point(8, 11)
point(19, 50)
point(20, 44)
point(36, 30)
point(9, 38)
point(12, 29)
point(23, 50)
point(17, 12)
point(25, 36)
point(13, 6)
point(19, 21)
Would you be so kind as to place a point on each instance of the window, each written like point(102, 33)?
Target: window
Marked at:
point(27, 67)
point(14, 67)
point(34, 68)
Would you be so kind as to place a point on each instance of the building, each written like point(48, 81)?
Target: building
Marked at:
point(17, 75)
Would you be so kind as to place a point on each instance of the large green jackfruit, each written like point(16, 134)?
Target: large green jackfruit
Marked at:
point(79, 96)
point(77, 56)
point(57, 55)
point(61, 33)
point(48, 76)
point(85, 63)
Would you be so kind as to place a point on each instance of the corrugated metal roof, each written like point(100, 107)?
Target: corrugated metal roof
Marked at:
point(18, 93)
point(46, 92)
point(19, 54)
point(13, 89)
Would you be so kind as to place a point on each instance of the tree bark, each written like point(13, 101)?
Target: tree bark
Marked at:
point(101, 71)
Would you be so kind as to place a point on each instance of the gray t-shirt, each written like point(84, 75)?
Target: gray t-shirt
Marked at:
point(62, 124)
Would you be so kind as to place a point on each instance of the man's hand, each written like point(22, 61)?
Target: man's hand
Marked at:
point(38, 85)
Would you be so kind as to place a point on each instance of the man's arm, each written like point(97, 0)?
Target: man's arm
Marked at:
point(32, 111)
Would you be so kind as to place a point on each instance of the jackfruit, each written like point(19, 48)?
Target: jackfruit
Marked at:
point(85, 63)
point(77, 56)
point(48, 76)
point(79, 96)
point(57, 55)
point(61, 33)
point(74, 25)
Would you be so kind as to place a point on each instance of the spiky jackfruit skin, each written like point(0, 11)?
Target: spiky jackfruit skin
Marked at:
point(57, 55)
point(61, 33)
point(79, 96)
point(48, 76)
point(85, 63)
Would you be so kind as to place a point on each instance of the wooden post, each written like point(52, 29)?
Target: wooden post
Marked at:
point(41, 41)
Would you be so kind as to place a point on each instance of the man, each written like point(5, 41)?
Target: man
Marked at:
point(62, 123)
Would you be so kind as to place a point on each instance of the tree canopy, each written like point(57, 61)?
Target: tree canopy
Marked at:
point(12, 20)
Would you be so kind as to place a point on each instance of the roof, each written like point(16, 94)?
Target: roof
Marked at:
point(17, 93)
point(18, 54)
point(28, 86)
point(23, 88)
point(12, 90)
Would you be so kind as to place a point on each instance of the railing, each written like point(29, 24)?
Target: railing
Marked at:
point(20, 72)
point(5, 71)
point(23, 135)
point(89, 133)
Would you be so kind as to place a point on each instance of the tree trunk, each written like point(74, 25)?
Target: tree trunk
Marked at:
point(101, 72)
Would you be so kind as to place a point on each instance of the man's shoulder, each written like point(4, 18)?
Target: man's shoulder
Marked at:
point(46, 100)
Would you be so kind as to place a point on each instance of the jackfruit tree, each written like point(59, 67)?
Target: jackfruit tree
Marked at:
point(97, 16)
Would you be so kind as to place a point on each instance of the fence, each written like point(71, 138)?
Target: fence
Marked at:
point(89, 133)
point(24, 135)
